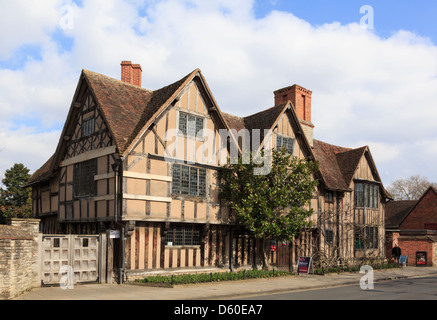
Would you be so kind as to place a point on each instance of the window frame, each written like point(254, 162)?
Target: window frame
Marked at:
point(329, 236)
point(189, 125)
point(281, 138)
point(181, 235)
point(329, 196)
point(184, 183)
point(366, 238)
point(88, 127)
point(84, 185)
point(366, 195)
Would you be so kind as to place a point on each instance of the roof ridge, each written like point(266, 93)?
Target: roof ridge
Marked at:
point(265, 110)
point(117, 80)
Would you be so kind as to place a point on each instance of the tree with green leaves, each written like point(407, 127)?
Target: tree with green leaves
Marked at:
point(272, 206)
point(15, 200)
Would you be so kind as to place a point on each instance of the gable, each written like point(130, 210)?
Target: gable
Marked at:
point(281, 120)
point(91, 131)
point(423, 212)
point(174, 131)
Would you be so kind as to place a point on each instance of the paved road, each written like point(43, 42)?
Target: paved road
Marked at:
point(402, 289)
point(221, 290)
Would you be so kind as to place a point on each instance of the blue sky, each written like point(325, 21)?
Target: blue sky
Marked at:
point(389, 15)
point(368, 85)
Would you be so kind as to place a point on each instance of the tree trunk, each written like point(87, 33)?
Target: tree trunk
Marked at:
point(265, 254)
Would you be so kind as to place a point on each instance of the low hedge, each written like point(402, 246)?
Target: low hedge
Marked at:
point(354, 269)
point(241, 275)
point(213, 277)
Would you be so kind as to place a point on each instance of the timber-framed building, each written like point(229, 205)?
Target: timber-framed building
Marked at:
point(116, 168)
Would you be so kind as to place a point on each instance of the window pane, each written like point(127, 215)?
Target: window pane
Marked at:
point(183, 122)
point(185, 180)
point(376, 196)
point(199, 125)
point(290, 145)
point(202, 182)
point(178, 237)
point(367, 195)
point(196, 236)
point(188, 236)
point(278, 141)
point(359, 195)
point(169, 236)
point(191, 125)
point(176, 178)
point(83, 178)
point(193, 181)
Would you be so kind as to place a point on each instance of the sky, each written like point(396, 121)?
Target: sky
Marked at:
point(371, 66)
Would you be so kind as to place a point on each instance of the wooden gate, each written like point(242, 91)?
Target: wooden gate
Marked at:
point(76, 256)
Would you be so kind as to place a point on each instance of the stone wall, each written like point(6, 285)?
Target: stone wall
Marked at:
point(19, 257)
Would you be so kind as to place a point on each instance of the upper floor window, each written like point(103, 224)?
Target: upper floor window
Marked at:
point(188, 180)
point(366, 195)
point(329, 197)
point(83, 178)
point(189, 124)
point(287, 142)
point(88, 127)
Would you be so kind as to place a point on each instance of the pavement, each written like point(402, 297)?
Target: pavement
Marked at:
point(220, 290)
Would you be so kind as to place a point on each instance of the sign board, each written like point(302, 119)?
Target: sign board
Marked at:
point(114, 234)
point(304, 265)
point(273, 248)
point(403, 260)
point(420, 258)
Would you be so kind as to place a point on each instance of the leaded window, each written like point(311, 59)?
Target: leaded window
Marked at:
point(286, 142)
point(189, 124)
point(188, 180)
point(83, 178)
point(366, 195)
point(366, 237)
point(183, 235)
point(88, 127)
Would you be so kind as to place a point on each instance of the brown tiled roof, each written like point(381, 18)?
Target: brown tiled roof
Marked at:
point(262, 120)
point(348, 162)
point(42, 173)
point(329, 166)
point(126, 108)
point(157, 100)
point(396, 212)
point(122, 104)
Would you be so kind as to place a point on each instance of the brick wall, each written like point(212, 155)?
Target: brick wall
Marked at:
point(410, 247)
point(19, 262)
point(424, 213)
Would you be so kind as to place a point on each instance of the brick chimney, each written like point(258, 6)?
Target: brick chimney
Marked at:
point(131, 73)
point(301, 100)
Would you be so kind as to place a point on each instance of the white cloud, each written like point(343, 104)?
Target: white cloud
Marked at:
point(365, 88)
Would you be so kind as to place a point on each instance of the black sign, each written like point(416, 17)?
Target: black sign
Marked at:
point(303, 265)
point(420, 258)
